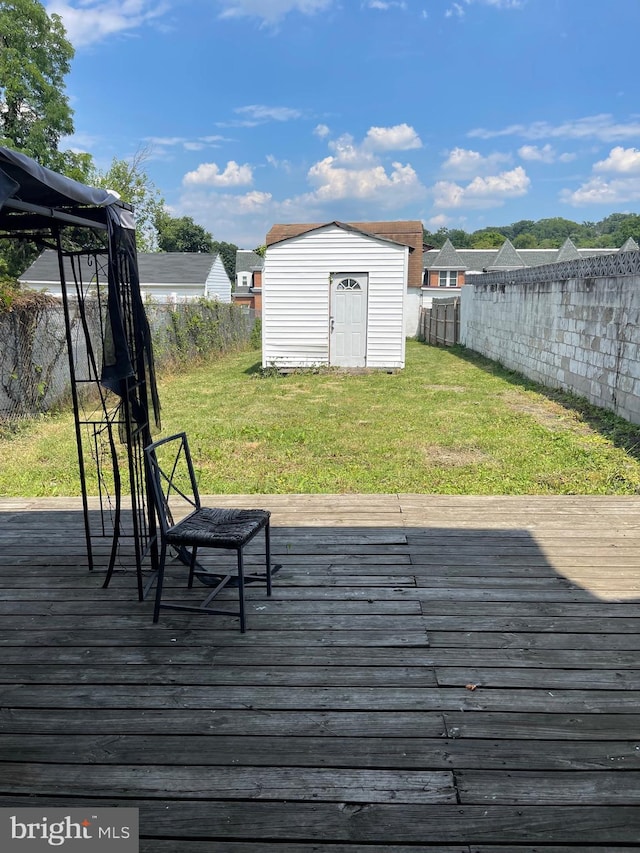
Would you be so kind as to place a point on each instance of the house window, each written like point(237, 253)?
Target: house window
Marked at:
point(349, 284)
point(448, 278)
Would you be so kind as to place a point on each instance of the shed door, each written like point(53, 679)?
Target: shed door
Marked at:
point(348, 320)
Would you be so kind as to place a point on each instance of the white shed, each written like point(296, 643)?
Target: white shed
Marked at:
point(334, 294)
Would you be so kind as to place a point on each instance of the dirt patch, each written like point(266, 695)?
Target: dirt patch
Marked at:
point(548, 414)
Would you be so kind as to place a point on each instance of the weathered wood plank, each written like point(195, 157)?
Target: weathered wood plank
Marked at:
point(229, 783)
point(253, 749)
point(220, 675)
point(139, 696)
point(558, 788)
point(241, 722)
point(534, 726)
point(376, 823)
point(160, 636)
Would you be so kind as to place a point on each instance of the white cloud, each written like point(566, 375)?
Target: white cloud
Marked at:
point(400, 137)
point(621, 160)
point(385, 5)
point(209, 174)
point(602, 127)
point(463, 162)
point(270, 11)
point(160, 146)
point(545, 154)
point(261, 113)
point(489, 191)
point(599, 191)
point(334, 182)
point(241, 219)
point(90, 21)
point(456, 10)
point(322, 131)
point(441, 220)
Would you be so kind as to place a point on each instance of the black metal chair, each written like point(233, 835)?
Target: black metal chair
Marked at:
point(175, 490)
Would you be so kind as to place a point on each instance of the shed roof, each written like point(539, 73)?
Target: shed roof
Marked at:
point(406, 232)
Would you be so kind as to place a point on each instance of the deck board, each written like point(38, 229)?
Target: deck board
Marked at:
point(451, 674)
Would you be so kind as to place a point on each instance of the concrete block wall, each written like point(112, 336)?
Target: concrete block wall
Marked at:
point(578, 334)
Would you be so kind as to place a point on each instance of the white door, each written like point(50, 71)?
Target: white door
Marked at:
point(348, 320)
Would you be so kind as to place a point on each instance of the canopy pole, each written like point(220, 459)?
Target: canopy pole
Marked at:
point(74, 397)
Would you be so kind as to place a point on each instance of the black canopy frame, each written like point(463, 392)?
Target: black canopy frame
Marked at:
point(114, 390)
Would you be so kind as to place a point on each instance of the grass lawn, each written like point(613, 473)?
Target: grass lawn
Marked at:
point(450, 423)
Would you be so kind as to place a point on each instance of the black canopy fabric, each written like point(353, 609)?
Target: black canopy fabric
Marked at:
point(32, 200)
point(43, 187)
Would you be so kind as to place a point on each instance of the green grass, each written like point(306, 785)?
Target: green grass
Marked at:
point(450, 423)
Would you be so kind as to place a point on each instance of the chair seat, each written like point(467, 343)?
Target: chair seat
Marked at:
point(210, 527)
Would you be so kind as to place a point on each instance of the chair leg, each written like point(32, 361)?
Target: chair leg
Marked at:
point(243, 618)
point(192, 566)
point(267, 550)
point(159, 582)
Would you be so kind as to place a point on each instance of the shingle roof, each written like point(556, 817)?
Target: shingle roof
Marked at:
point(567, 252)
point(153, 268)
point(629, 245)
point(507, 258)
point(248, 261)
point(407, 232)
point(484, 259)
point(448, 258)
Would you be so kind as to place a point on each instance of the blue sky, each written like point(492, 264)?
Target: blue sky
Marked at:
point(462, 114)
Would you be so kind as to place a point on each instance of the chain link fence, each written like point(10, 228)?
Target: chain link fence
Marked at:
point(34, 362)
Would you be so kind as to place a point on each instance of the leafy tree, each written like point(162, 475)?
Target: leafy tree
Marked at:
point(261, 250)
point(129, 179)
point(487, 239)
point(525, 241)
point(435, 238)
point(181, 234)
point(35, 57)
point(228, 254)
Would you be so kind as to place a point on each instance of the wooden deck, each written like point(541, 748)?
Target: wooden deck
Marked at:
point(432, 673)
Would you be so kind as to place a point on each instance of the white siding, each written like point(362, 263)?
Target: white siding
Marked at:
point(218, 284)
point(296, 293)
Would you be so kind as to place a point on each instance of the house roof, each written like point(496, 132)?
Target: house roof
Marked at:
point(480, 260)
point(248, 261)
point(448, 259)
point(406, 232)
point(567, 252)
point(153, 268)
point(507, 258)
point(629, 245)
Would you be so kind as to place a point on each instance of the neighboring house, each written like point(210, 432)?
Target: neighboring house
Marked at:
point(248, 285)
point(448, 267)
point(164, 276)
point(336, 293)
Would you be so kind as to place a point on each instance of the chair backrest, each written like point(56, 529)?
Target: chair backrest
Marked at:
point(172, 478)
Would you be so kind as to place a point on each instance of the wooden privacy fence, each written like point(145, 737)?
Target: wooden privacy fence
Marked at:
point(440, 324)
